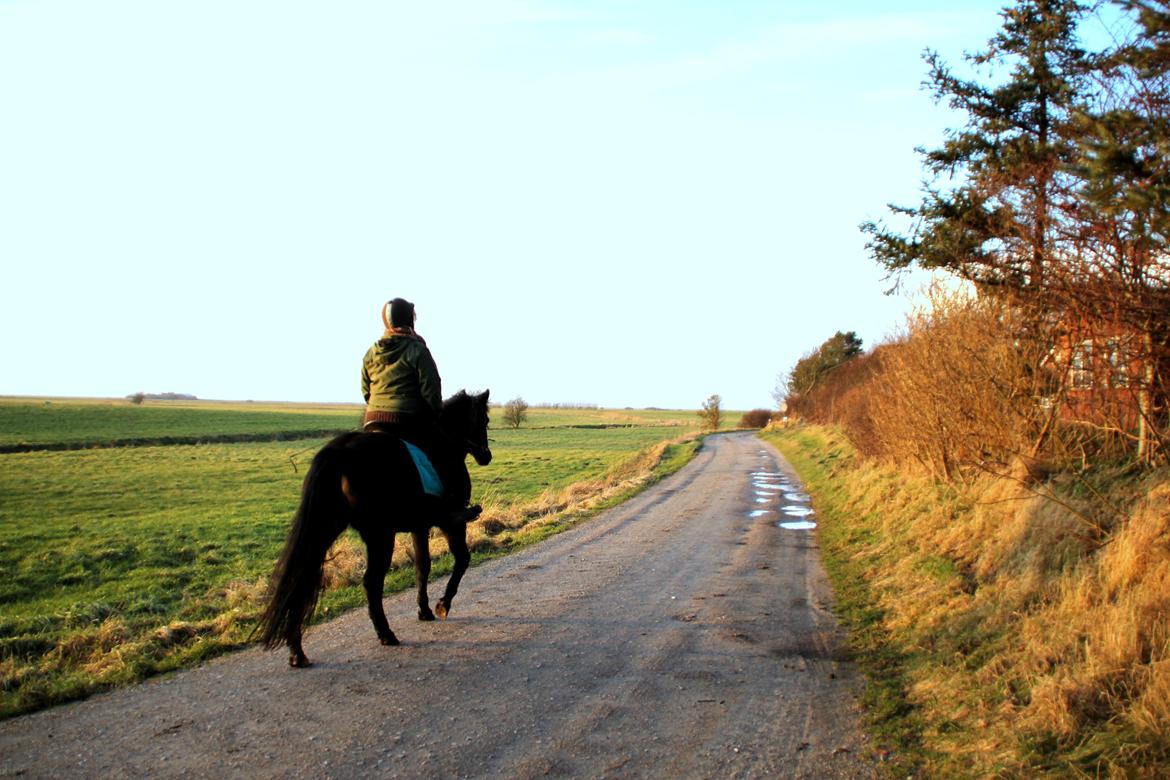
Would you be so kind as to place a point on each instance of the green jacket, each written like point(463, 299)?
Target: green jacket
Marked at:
point(399, 375)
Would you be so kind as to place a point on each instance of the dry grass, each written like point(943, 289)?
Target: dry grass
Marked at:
point(501, 523)
point(1034, 624)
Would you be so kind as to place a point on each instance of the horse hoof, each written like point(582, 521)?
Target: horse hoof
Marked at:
point(426, 614)
point(299, 661)
point(441, 610)
point(389, 640)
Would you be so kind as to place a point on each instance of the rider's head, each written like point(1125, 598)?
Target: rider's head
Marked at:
point(398, 313)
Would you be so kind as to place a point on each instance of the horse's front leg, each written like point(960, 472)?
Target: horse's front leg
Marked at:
point(422, 572)
point(457, 543)
point(378, 556)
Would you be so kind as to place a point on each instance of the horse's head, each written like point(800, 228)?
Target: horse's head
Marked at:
point(465, 418)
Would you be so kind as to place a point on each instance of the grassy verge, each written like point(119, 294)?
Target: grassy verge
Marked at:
point(123, 563)
point(851, 557)
point(1005, 631)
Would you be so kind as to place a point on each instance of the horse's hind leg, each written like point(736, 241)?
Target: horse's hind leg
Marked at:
point(296, 654)
point(457, 542)
point(378, 563)
point(422, 572)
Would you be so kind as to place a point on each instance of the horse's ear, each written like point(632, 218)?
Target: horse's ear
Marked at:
point(483, 397)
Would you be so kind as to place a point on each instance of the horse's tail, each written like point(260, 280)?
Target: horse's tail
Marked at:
point(297, 579)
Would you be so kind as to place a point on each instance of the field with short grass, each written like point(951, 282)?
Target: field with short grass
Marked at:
point(54, 423)
point(123, 561)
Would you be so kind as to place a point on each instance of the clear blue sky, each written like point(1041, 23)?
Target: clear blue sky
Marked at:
point(621, 203)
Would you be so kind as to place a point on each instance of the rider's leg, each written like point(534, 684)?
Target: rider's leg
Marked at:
point(453, 506)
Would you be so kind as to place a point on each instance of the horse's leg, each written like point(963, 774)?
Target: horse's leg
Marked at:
point(296, 654)
point(378, 554)
point(422, 572)
point(457, 543)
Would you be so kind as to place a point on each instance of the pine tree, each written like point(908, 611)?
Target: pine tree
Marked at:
point(1125, 142)
point(989, 212)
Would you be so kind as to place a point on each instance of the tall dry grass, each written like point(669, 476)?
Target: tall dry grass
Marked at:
point(1034, 645)
point(1018, 551)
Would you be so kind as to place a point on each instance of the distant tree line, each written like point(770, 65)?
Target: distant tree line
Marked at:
point(138, 398)
point(573, 405)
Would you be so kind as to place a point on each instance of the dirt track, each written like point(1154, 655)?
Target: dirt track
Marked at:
point(673, 636)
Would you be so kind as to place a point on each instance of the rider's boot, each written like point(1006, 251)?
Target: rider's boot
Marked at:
point(447, 513)
point(465, 514)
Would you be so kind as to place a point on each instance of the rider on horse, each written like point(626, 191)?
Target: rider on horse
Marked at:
point(403, 393)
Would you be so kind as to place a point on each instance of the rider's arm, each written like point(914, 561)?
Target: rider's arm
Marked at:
point(429, 382)
point(365, 380)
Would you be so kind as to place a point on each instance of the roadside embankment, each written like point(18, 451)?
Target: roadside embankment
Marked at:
point(1006, 630)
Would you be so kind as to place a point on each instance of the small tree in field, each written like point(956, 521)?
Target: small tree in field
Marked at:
point(515, 412)
point(710, 414)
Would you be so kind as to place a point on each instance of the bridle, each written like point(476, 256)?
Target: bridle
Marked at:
point(480, 452)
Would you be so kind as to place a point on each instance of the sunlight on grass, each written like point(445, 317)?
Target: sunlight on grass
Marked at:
point(123, 562)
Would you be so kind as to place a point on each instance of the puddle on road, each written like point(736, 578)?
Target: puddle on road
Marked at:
point(770, 485)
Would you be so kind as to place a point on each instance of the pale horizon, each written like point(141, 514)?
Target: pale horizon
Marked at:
point(627, 205)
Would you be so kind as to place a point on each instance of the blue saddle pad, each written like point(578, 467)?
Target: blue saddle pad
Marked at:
point(431, 484)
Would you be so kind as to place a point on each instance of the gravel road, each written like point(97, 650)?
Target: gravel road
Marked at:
point(682, 634)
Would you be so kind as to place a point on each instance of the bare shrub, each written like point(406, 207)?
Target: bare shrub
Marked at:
point(515, 412)
point(962, 386)
point(844, 399)
point(711, 414)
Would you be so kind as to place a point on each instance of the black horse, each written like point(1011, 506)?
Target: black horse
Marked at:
point(369, 481)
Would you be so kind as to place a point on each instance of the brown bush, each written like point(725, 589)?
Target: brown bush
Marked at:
point(960, 387)
point(756, 418)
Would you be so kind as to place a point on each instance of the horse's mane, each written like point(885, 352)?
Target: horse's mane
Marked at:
point(454, 402)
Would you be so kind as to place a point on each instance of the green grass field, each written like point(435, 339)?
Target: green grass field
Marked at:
point(58, 422)
point(121, 562)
